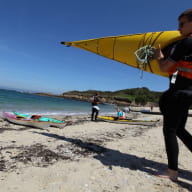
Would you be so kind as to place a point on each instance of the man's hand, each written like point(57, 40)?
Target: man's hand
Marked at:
point(157, 53)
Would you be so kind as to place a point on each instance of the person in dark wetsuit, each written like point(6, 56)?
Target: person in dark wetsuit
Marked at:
point(176, 101)
point(95, 107)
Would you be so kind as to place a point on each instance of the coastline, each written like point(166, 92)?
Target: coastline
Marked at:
point(88, 156)
point(106, 97)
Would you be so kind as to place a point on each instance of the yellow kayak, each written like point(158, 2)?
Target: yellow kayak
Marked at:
point(130, 49)
point(112, 119)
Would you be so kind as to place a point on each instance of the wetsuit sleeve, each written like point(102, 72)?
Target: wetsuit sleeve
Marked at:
point(181, 49)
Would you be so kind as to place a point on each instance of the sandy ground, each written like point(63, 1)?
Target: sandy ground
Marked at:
point(89, 156)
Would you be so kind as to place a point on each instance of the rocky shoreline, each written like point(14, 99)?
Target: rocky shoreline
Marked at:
point(87, 98)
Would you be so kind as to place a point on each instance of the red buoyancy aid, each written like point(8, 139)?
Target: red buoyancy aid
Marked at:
point(121, 117)
point(184, 69)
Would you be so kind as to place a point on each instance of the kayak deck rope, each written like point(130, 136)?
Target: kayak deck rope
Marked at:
point(144, 56)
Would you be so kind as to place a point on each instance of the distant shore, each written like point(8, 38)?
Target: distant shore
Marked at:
point(103, 100)
point(84, 98)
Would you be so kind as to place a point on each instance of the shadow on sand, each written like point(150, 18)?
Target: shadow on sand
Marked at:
point(110, 157)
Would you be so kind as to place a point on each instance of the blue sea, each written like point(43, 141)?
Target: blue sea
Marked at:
point(45, 105)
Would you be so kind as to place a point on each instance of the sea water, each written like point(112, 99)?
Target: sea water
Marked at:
point(45, 105)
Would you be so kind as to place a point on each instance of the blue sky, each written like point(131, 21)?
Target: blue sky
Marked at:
point(32, 58)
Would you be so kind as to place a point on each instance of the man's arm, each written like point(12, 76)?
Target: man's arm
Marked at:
point(164, 64)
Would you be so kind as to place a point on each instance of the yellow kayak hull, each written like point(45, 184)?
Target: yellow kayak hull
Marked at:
point(127, 121)
point(122, 48)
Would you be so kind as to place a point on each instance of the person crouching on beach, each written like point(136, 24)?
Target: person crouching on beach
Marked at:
point(120, 115)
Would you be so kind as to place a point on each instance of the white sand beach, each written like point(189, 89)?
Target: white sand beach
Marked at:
point(89, 156)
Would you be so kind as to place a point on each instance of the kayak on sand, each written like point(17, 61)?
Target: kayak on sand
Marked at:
point(38, 118)
point(53, 122)
point(112, 119)
point(12, 118)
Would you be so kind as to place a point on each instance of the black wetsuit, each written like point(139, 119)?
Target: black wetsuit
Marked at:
point(95, 108)
point(175, 103)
